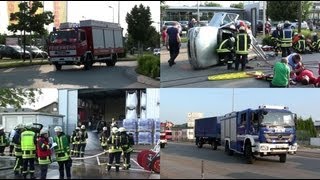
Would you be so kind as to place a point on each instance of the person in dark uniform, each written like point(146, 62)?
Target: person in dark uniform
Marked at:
point(114, 149)
point(3, 141)
point(103, 138)
point(28, 147)
point(173, 43)
point(242, 45)
point(17, 149)
point(286, 39)
point(126, 147)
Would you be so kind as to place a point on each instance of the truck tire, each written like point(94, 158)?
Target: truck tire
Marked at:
point(162, 145)
point(58, 67)
point(88, 63)
point(199, 144)
point(248, 153)
point(214, 145)
point(283, 158)
point(227, 149)
point(113, 60)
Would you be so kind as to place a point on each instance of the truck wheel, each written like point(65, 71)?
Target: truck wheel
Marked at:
point(58, 67)
point(113, 60)
point(228, 150)
point(88, 63)
point(248, 154)
point(162, 145)
point(199, 145)
point(214, 145)
point(283, 158)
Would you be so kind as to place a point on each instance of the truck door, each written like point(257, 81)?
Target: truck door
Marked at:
point(83, 42)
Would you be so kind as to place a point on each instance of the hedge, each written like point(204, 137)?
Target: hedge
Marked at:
point(149, 65)
point(267, 39)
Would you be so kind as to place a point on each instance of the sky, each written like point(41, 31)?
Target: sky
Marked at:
point(97, 10)
point(48, 96)
point(175, 103)
point(194, 3)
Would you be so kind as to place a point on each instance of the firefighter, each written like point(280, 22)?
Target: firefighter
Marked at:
point(11, 146)
point(17, 149)
point(126, 147)
point(83, 140)
point(114, 149)
point(242, 45)
point(315, 42)
point(44, 152)
point(300, 45)
point(3, 141)
point(226, 51)
point(286, 39)
point(75, 140)
point(28, 147)
point(103, 138)
point(275, 38)
point(62, 151)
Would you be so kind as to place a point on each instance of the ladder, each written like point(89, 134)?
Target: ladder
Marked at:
point(257, 49)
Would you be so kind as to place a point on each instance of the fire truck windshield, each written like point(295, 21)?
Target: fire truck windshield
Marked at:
point(277, 118)
point(59, 37)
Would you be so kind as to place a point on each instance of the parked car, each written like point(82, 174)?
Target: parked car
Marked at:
point(259, 26)
point(2, 45)
point(184, 25)
point(295, 24)
point(13, 52)
point(171, 23)
point(36, 52)
point(156, 51)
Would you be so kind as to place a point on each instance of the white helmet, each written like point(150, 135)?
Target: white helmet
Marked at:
point(83, 127)
point(77, 128)
point(114, 130)
point(44, 131)
point(242, 28)
point(279, 26)
point(122, 129)
point(28, 126)
point(1, 128)
point(58, 129)
point(114, 124)
point(105, 128)
point(19, 126)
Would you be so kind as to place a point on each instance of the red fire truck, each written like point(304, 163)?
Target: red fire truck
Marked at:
point(85, 43)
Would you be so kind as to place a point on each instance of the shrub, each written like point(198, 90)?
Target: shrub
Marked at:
point(149, 65)
point(267, 41)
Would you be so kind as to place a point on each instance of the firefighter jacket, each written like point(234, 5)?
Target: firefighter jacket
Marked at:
point(17, 143)
point(286, 37)
point(125, 142)
point(75, 137)
point(114, 143)
point(83, 136)
point(28, 144)
point(103, 138)
point(3, 139)
point(62, 150)
point(242, 43)
point(43, 150)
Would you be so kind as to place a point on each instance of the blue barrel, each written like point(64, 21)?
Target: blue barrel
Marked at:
point(144, 138)
point(130, 124)
point(145, 124)
point(156, 137)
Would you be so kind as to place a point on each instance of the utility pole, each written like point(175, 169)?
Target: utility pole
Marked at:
point(198, 12)
point(264, 18)
point(299, 16)
point(118, 12)
point(232, 99)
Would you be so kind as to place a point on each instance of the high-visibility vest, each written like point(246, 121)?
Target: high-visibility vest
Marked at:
point(286, 39)
point(242, 44)
point(103, 140)
point(62, 149)
point(125, 143)
point(28, 146)
point(3, 140)
point(224, 47)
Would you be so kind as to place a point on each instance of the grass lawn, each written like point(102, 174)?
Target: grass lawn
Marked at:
point(10, 63)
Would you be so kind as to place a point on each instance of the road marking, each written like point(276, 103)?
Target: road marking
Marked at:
point(9, 70)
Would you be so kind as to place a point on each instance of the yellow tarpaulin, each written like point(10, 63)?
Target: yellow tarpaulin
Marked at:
point(235, 75)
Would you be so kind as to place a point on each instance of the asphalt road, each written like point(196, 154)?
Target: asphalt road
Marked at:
point(185, 161)
point(182, 75)
point(45, 76)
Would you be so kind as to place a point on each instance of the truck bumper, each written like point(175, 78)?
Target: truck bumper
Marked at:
point(269, 149)
point(65, 60)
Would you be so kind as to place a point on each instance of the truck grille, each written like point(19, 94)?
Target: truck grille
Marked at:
point(278, 138)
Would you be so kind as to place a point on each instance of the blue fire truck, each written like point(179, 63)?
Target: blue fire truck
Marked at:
point(266, 131)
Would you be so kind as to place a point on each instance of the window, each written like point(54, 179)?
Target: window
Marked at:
point(243, 119)
point(82, 36)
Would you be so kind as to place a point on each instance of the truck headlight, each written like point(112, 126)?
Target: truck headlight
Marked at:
point(293, 147)
point(264, 148)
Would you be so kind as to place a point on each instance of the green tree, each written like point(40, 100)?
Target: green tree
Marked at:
point(154, 39)
point(139, 23)
point(211, 4)
point(306, 9)
point(288, 10)
point(3, 38)
point(29, 21)
point(17, 97)
point(238, 5)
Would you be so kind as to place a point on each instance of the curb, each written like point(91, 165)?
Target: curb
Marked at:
point(130, 72)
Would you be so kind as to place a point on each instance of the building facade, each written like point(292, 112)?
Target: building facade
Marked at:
point(191, 117)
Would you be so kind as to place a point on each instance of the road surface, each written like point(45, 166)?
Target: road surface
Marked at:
point(182, 75)
point(180, 160)
point(45, 76)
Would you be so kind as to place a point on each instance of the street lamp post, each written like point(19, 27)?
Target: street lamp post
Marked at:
point(112, 13)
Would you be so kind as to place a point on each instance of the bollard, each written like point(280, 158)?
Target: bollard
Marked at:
point(202, 174)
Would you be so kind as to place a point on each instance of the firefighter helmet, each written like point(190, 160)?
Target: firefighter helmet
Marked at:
point(83, 127)
point(114, 130)
point(28, 126)
point(77, 128)
point(279, 26)
point(302, 36)
point(295, 33)
point(105, 128)
point(242, 28)
point(43, 131)
point(1, 128)
point(58, 129)
point(19, 126)
point(232, 39)
point(122, 129)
